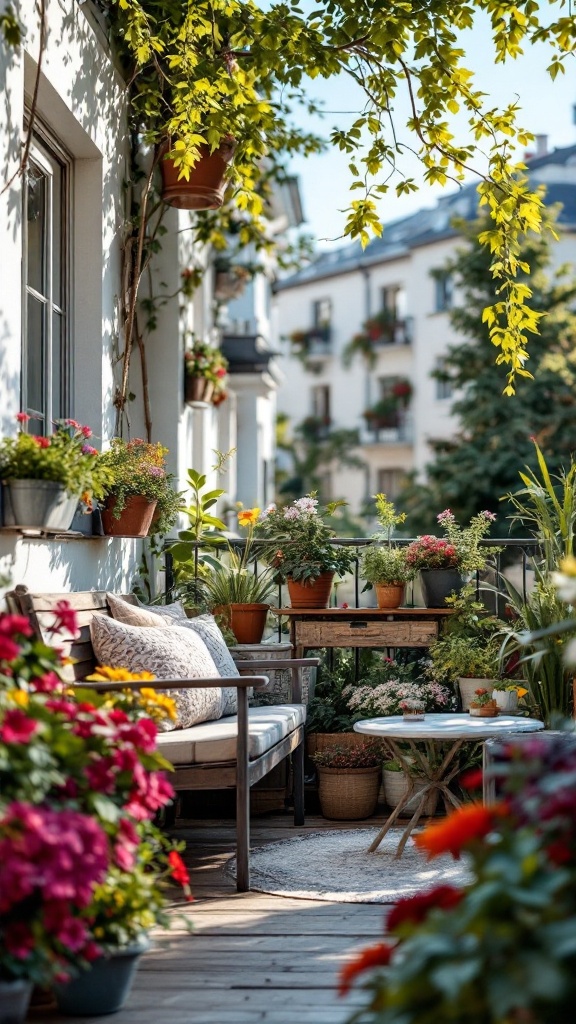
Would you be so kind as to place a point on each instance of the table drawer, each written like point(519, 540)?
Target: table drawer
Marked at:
point(362, 633)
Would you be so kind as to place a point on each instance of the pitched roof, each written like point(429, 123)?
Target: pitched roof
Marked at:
point(435, 223)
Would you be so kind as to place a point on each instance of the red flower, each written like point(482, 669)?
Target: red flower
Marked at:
point(416, 908)
point(473, 821)
point(47, 683)
point(86, 431)
point(23, 417)
point(472, 779)
point(180, 873)
point(66, 620)
point(15, 624)
point(373, 956)
point(17, 727)
point(8, 649)
point(42, 442)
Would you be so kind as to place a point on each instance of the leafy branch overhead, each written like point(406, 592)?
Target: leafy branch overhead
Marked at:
point(204, 70)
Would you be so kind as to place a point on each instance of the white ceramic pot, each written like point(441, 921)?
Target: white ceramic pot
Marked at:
point(468, 686)
point(396, 787)
point(507, 701)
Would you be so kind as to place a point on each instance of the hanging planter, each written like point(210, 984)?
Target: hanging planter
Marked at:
point(198, 389)
point(206, 185)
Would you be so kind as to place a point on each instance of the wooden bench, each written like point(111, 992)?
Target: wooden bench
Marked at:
point(281, 735)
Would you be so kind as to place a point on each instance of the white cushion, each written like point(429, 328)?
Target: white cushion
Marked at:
point(213, 742)
point(134, 614)
point(170, 653)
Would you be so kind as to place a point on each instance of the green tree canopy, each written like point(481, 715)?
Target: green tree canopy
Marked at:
point(495, 439)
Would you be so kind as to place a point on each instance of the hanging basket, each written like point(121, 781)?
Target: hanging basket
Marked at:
point(135, 518)
point(311, 595)
point(206, 185)
point(348, 794)
point(198, 389)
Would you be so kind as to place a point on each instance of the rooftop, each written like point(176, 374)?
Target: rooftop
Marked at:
point(435, 223)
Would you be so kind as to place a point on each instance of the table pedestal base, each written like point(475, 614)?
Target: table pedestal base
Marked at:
point(437, 773)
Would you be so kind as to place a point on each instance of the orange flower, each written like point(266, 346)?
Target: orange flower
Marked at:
point(373, 956)
point(473, 821)
point(248, 516)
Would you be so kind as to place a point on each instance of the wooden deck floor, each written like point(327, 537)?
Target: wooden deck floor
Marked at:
point(252, 957)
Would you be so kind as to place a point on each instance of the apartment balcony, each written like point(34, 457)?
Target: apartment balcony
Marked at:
point(314, 346)
point(394, 428)
point(248, 353)
point(384, 332)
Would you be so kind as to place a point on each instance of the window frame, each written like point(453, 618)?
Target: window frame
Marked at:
point(45, 152)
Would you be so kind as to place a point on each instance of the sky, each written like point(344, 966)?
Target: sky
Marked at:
point(546, 109)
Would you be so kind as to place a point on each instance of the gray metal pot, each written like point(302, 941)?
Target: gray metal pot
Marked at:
point(39, 504)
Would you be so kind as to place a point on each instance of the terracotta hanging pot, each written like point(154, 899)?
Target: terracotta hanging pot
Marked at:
point(197, 389)
point(311, 595)
point(135, 518)
point(247, 622)
point(206, 185)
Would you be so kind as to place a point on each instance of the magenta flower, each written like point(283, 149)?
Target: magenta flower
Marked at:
point(17, 727)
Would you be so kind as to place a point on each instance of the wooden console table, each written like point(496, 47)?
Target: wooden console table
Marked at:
point(362, 627)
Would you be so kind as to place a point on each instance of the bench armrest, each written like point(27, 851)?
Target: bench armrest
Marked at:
point(241, 682)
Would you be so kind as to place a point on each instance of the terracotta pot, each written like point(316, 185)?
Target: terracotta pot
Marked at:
point(311, 595)
point(135, 519)
point(468, 686)
point(247, 622)
point(389, 595)
point(483, 711)
point(206, 185)
point(197, 389)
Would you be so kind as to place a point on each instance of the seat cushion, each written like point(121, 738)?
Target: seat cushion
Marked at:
point(213, 742)
point(204, 625)
point(170, 653)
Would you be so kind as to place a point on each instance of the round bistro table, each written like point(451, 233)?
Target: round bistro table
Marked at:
point(452, 730)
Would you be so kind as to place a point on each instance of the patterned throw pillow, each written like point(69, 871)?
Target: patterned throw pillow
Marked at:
point(207, 628)
point(135, 614)
point(170, 653)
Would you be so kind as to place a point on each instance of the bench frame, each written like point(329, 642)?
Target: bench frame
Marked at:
point(241, 774)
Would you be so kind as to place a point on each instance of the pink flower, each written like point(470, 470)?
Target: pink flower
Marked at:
point(87, 449)
point(63, 707)
point(19, 940)
point(42, 442)
point(8, 649)
point(23, 417)
point(15, 624)
point(488, 515)
point(100, 776)
point(86, 431)
point(47, 683)
point(17, 727)
point(72, 423)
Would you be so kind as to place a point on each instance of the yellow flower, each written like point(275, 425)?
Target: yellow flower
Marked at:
point(105, 674)
point(249, 516)
point(160, 701)
point(19, 697)
point(568, 565)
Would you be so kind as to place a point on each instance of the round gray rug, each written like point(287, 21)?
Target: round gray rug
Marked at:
point(336, 866)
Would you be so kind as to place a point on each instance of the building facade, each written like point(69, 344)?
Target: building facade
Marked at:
point(394, 299)
point(64, 225)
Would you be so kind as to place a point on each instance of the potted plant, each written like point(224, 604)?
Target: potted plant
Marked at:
point(44, 478)
point(198, 183)
point(82, 867)
point(444, 562)
point(397, 783)
point(301, 552)
point(413, 709)
point(384, 566)
point(140, 498)
point(383, 414)
point(230, 278)
point(466, 661)
point(483, 704)
point(507, 693)
point(205, 370)
point(348, 780)
point(237, 590)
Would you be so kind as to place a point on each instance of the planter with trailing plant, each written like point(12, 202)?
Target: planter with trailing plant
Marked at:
point(205, 373)
point(300, 551)
point(140, 497)
point(348, 781)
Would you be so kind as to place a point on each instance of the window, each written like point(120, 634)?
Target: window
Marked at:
point(444, 290)
point(390, 482)
point(46, 369)
point(394, 302)
point(322, 313)
point(321, 402)
point(386, 386)
point(444, 387)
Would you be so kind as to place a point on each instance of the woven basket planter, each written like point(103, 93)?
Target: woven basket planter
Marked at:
point(316, 741)
point(348, 794)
